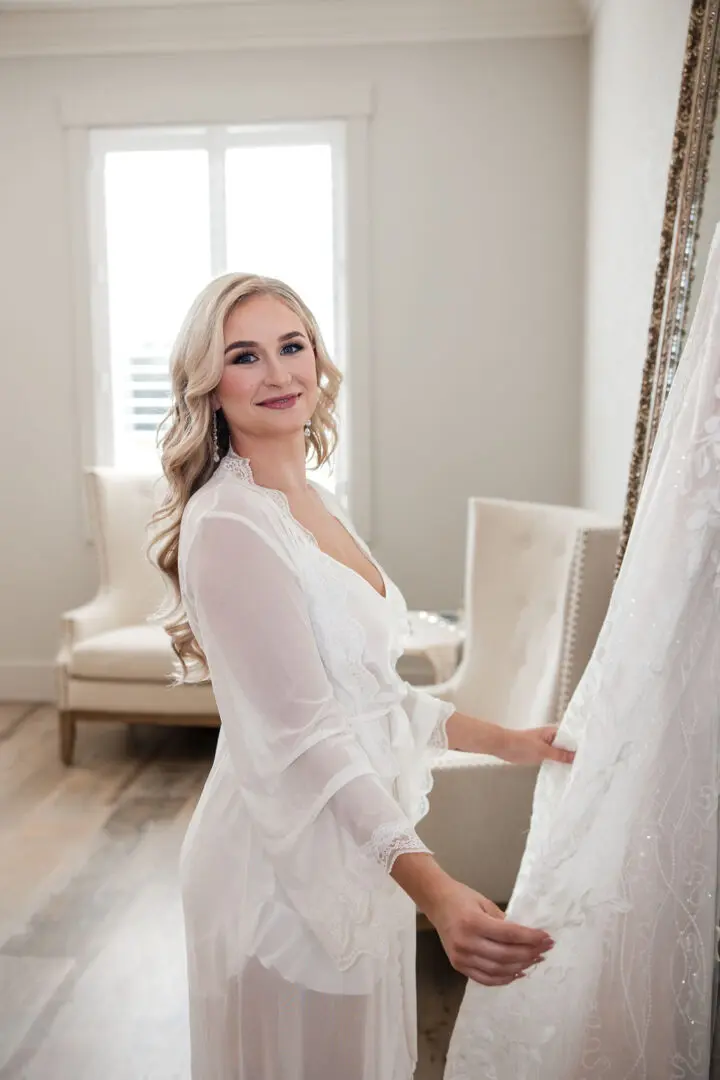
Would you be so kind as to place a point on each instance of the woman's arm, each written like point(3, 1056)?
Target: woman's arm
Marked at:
point(477, 938)
point(530, 746)
point(476, 736)
point(437, 727)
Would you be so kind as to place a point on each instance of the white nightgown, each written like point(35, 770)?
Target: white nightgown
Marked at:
point(301, 946)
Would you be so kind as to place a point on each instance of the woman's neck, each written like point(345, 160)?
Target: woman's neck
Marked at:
point(276, 464)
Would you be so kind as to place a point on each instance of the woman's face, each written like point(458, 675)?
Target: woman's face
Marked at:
point(269, 381)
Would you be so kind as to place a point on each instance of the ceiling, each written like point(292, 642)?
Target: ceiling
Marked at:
point(548, 7)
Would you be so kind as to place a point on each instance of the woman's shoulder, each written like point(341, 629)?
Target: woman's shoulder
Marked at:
point(226, 497)
point(230, 523)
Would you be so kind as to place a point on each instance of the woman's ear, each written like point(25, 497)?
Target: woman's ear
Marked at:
point(214, 403)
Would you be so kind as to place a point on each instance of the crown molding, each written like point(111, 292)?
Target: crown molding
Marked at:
point(79, 29)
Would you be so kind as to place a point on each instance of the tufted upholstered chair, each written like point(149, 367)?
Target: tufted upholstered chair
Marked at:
point(537, 586)
point(112, 662)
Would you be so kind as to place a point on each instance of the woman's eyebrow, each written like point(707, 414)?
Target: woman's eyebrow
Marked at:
point(256, 344)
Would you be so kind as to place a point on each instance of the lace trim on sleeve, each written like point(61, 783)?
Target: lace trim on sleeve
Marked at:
point(438, 740)
point(390, 840)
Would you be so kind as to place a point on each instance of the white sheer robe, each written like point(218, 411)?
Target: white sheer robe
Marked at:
point(301, 947)
point(621, 859)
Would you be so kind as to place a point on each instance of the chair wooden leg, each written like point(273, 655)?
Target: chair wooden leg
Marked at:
point(68, 726)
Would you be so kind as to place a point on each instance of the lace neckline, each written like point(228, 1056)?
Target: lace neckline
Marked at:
point(241, 467)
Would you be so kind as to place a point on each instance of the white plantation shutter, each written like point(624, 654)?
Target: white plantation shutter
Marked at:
point(148, 394)
point(175, 207)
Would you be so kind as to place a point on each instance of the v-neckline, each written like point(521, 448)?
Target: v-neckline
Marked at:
point(242, 467)
point(338, 562)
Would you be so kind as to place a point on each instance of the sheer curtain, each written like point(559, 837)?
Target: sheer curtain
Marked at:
point(622, 857)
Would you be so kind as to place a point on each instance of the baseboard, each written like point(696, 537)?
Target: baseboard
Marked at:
point(24, 680)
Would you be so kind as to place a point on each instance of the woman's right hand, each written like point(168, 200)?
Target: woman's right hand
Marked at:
point(480, 942)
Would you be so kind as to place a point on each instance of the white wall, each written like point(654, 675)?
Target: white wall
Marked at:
point(637, 50)
point(477, 189)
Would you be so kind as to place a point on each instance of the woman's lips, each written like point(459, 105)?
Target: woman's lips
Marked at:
point(280, 403)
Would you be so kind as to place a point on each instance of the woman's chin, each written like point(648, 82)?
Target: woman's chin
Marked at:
point(283, 421)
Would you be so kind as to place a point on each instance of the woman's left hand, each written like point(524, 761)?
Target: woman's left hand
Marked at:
point(534, 746)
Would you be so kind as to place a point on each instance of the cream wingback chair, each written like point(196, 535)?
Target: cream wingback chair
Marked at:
point(112, 662)
point(537, 587)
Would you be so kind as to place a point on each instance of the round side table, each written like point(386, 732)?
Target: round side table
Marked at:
point(436, 640)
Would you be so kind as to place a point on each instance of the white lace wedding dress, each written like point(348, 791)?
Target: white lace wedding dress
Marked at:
point(622, 856)
point(301, 947)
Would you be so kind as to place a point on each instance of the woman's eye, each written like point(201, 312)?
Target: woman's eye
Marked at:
point(243, 358)
point(293, 347)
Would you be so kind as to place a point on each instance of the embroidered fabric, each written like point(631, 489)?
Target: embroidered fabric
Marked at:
point(622, 856)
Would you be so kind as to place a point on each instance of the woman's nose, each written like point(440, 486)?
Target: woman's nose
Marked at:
point(277, 373)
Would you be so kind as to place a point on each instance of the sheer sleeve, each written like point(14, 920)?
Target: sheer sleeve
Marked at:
point(428, 718)
point(330, 827)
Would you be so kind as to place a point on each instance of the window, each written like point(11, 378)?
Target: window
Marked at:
point(172, 208)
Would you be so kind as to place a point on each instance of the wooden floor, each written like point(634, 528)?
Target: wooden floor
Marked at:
point(92, 968)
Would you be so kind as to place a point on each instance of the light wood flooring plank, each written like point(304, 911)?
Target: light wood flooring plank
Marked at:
point(26, 986)
point(11, 716)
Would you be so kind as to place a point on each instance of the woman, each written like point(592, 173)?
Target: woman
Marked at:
point(301, 869)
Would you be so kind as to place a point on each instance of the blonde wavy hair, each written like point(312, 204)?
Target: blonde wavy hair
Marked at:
point(185, 436)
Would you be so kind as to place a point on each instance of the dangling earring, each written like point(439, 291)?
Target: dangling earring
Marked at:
point(216, 448)
point(308, 429)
